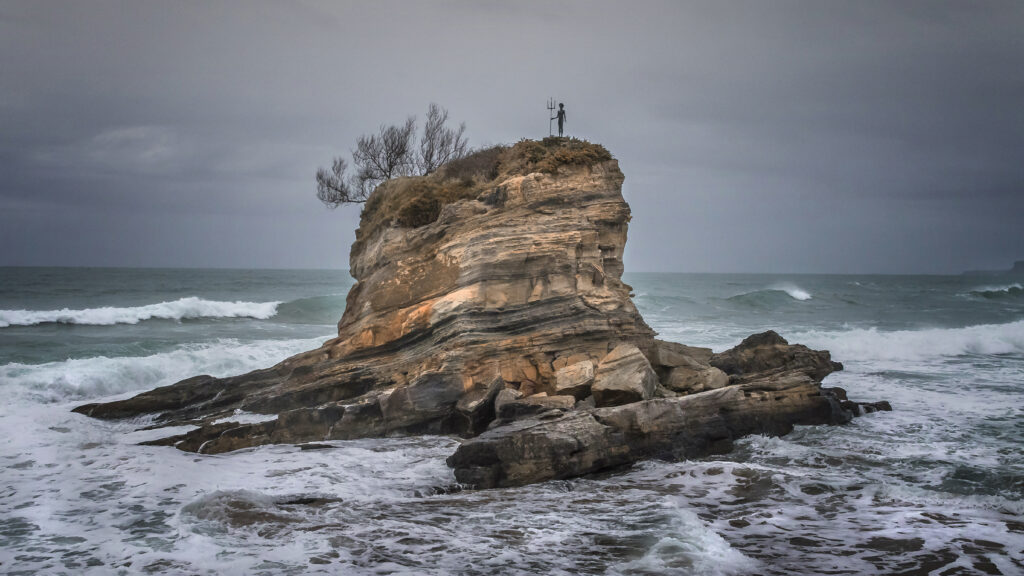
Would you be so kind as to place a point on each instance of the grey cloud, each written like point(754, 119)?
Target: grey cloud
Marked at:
point(783, 136)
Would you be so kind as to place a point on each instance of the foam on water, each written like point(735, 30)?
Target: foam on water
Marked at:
point(101, 376)
point(183, 308)
point(873, 344)
point(934, 486)
point(242, 417)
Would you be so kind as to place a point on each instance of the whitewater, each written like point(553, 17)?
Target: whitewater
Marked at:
point(183, 308)
point(934, 487)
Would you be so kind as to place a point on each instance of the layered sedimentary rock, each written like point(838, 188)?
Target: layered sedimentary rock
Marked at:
point(500, 292)
point(503, 318)
point(763, 400)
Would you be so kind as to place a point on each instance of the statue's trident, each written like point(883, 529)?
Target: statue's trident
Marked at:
point(551, 110)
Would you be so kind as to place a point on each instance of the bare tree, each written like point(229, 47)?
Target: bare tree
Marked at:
point(439, 143)
point(378, 157)
point(332, 188)
point(385, 155)
point(391, 153)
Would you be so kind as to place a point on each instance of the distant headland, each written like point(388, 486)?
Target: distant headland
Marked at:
point(1016, 270)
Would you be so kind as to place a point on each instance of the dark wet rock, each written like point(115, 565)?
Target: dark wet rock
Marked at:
point(859, 408)
point(862, 408)
point(768, 353)
point(691, 426)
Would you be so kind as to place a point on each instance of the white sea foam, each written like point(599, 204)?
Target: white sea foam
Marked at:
point(243, 417)
point(689, 546)
point(101, 376)
point(873, 344)
point(190, 307)
point(795, 292)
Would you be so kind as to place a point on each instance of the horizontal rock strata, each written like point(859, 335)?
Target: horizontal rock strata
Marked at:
point(505, 320)
point(683, 427)
point(503, 290)
point(765, 400)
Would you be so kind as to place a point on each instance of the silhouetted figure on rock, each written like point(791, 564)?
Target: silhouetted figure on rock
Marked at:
point(560, 117)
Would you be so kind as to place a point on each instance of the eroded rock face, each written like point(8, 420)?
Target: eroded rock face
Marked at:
point(506, 319)
point(507, 288)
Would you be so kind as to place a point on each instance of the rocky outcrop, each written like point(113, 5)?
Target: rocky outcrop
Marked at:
point(509, 287)
point(767, 401)
point(768, 353)
point(500, 315)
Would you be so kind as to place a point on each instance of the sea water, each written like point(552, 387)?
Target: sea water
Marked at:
point(933, 487)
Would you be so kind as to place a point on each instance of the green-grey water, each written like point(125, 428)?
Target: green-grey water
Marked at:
point(934, 487)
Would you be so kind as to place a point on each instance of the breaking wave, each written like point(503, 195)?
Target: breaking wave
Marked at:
point(773, 294)
point(998, 291)
point(873, 344)
point(794, 291)
point(102, 376)
point(190, 307)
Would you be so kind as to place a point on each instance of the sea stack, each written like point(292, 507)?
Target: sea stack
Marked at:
point(489, 304)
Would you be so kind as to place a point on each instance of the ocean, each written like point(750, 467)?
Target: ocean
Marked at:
point(934, 487)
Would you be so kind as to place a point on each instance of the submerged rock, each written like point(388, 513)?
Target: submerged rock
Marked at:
point(503, 314)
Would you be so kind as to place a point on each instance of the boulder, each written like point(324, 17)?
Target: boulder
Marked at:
point(506, 396)
point(689, 380)
point(575, 379)
point(769, 353)
point(623, 376)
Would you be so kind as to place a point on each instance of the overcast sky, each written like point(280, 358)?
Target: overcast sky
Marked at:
point(755, 136)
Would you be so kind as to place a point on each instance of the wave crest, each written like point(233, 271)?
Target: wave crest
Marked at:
point(776, 291)
point(872, 344)
point(795, 292)
point(97, 376)
point(190, 307)
point(998, 291)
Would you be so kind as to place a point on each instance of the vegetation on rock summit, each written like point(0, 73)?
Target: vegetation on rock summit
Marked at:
point(416, 201)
